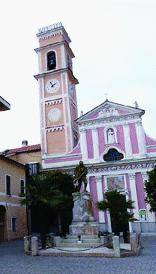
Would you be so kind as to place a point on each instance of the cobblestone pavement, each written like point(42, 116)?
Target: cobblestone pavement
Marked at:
point(13, 261)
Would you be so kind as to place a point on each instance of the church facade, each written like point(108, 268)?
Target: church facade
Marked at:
point(109, 139)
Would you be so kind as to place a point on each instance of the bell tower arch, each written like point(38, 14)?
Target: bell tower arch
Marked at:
point(57, 93)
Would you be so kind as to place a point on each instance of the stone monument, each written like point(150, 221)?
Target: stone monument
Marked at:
point(83, 221)
point(83, 232)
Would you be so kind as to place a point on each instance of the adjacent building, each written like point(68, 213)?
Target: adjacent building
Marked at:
point(12, 185)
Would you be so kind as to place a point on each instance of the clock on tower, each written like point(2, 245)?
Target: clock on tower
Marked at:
point(58, 104)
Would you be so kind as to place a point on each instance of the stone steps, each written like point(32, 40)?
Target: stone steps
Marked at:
point(78, 245)
point(72, 241)
point(83, 241)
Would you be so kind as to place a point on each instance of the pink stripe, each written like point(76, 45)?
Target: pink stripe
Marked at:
point(58, 160)
point(133, 136)
point(101, 139)
point(89, 143)
point(150, 150)
point(120, 138)
point(140, 190)
point(92, 182)
point(150, 141)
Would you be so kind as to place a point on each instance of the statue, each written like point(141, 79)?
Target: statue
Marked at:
point(80, 173)
point(110, 136)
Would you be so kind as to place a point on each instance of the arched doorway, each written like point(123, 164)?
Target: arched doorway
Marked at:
point(2, 223)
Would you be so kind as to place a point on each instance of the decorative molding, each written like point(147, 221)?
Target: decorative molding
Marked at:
point(98, 178)
point(112, 119)
point(108, 112)
point(121, 167)
point(144, 176)
point(54, 129)
point(82, 130)
point(6, 204)
point(132, 176)
point(54, 102)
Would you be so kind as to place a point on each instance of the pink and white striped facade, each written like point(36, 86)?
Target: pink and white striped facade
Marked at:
point(109, 126)
point(139, 152)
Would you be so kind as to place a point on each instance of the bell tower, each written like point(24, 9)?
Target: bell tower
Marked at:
point(58, 103)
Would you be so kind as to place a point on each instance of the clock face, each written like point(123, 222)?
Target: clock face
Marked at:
point(52, 86)
point(54, 115)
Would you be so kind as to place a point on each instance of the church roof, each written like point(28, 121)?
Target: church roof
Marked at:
point(108, 109)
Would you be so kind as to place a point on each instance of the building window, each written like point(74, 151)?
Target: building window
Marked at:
point(113, 155)
point(22, 187)
point(13, 224)
point(8, 185)
point(32, 169)
point(69, 61)
point(51, 60)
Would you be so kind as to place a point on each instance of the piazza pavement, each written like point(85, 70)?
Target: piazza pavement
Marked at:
point(14, 261)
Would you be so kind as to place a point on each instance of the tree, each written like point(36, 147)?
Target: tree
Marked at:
point(150, 188)
point(116, 203)
point(48, 194)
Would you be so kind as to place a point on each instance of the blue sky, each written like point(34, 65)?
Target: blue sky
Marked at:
point(115, 47)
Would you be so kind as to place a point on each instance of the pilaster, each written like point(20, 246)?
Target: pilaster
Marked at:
point(141, 138)
point(128, 145)
point(100, 196)
point(83, 143)
point(95, 143)
point(134, 195)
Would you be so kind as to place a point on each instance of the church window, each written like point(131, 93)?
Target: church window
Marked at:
point(111, 136)
point(51, 60)
point(113, 155)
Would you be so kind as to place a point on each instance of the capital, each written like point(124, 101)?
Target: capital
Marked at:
point(132, 176)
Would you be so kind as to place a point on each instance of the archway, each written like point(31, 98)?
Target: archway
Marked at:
point(2, 223)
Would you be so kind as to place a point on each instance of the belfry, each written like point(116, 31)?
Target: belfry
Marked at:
point(58, 104)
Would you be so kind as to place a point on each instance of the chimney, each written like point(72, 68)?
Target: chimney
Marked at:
point(24, 143)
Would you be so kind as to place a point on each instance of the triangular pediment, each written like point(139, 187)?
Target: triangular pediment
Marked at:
point(110, 109)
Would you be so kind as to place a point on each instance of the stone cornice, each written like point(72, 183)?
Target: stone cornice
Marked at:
point(110, 104)
point(113, 119)
point(53, 30)
point(123, 165)
point(55, 71)
point(55, 45)
point(120, 166)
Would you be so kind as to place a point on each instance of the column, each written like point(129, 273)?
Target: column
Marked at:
point(95, 143)
point(134, 195)
point(100, 196)
point(141, 138)
point(128, 146)
point(83, 144)
point(107, 212)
